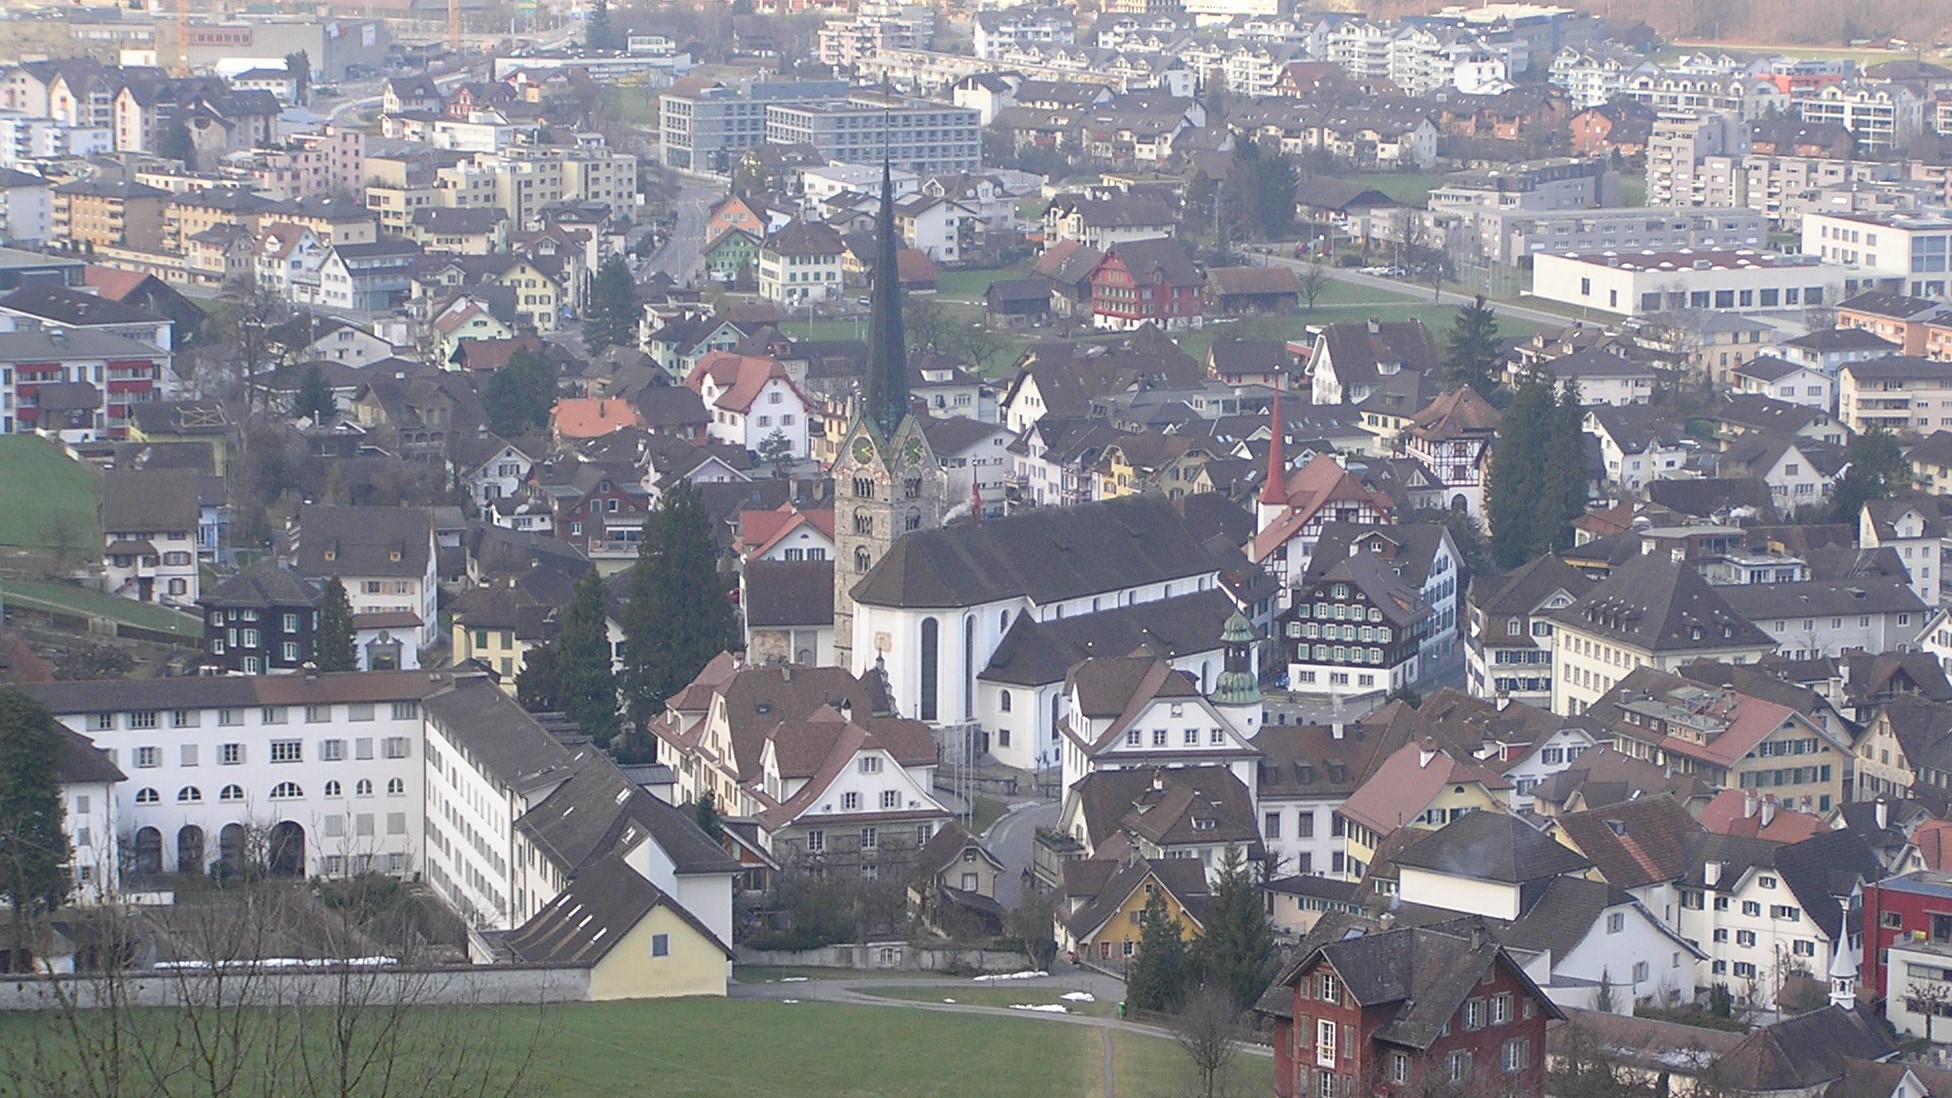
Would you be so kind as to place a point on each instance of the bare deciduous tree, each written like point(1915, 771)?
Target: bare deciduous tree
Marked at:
point(1207, 1030)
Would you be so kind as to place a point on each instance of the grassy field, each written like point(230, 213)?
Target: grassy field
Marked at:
point(1437, 318)
point(987, 810)
point(767, 974)
point(968, 285)
point(708, 1048)
point(633, 106)
point(37, 483)
point(82, 600)
point(1409, 188)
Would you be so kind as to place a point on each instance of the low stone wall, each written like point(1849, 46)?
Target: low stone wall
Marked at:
point(484, 985)
point(889, 957)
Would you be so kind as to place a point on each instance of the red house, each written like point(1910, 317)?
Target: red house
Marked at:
point(1915, 906)
point(1408, 1011)
point(1144, 282)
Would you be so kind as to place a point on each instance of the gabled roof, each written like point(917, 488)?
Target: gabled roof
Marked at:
point(267, 584)
point(1157, 260)
point(363, 541)
point(1527, 587)
point(149, 500)
point(593, 913)
point(1405, 783)
point(1184, 879)
point(1046, 555)
point(1036, 653)
point(1492, 846)
point(1417, 977)
point(1805, 1051)
point(1662, 605)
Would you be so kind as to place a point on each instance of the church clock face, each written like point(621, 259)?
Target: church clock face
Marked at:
point(863, 449)
point(913, 451)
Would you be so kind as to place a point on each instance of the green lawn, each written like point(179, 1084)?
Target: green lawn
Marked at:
point(82, 600)
point(1409, 188)
point(768, 974)
point(634, 106)
point(711, 1048)
point(1435, 317)
point(969, 285)
point(979, 995)
point(1633, 189)
point(38, 483)
point(986, 811)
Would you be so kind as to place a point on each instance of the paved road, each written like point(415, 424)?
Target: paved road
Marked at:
point(687, 241)
point(1010, 839)
point(1422, 292)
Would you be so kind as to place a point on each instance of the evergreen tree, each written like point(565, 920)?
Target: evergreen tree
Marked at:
point(34, 853)
point(1158, 974)
point(314, 399)
point(586, 683)
point(677, 616)
point(1515, 486)
point(611, 318)
point(1875, 468)
point(519, 396)
point(1537, 484)
point(535, 683)
point(1261, 190)
point(1565, 468)
point(705, 814)
point(1236, 955)
point(776, 451)
point(299, 65)
point(332, 639)
point(1474, 348)
point(599, 34)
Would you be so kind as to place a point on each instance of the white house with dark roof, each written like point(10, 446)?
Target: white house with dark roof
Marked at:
point(1793, 382)
point(1508, 650)
point(384, 555)
point(1917, 528)
point(1138, 711)
point(856, 796)
point(1650, 612)
point(935, 609)
point(149, 523)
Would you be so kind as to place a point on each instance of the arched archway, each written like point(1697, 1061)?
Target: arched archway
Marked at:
point(1459, 504)
point(189, 849)
point(149, 850)
point(230, 848)
point(285, 853)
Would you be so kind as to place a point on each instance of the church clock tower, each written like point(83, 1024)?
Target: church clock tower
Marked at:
point(887, 479)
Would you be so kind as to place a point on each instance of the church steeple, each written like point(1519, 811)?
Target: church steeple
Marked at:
point(886, 398)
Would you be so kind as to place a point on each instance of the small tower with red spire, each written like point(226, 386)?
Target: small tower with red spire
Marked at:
point(1274, 493)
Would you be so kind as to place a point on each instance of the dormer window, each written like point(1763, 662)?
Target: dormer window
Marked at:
point(331, 554)
point(394, 555)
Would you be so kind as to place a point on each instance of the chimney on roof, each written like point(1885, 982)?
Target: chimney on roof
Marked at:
point(1768, 809)
point(1426, 752)
point(1748, 804)
point(1336, 730)
point(786, 672)
point(1883, 811)
point(311, 669)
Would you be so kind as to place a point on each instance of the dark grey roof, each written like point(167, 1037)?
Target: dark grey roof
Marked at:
point(1661, 605)
point(1411, 548)
point(1823, 598)
point(1526, 588)
point(364, 541)
point(1842, 339)
point(1561, 916)
point(1802, 1053)
point(505, 742)
point(63, 345)
point(1034, 653)
point(594, 912)
point(1492, 846)
point(1888, 303)
point(788, 593)
point(1823, 869)
point(72, 307)
point(268, 583)
point(1898, 368)
point(1046, 555)
point(82, 762)
point(1159, 259)
point(1379, 585)
point(1423, 975)
point(598, 811)
point(149, 500)
point(1184, 878)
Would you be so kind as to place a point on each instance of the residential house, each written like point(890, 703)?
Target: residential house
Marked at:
point(1147, 282)
point(800, 263)
point(1306, 772)
point(1329, 654)
point(1137, 711)
point(1421, 785)
point(1508, 651)
point(1650, 612)
point(1294, 507)
point(1101, 899)
point(1452, 437)
point(1638, 445)
point(149, 521)
point(752, 400)
point(1349, 360)
point(260, 620)
point(1916, 526)
point(385, 556)
point(1190, 813)
point(1406, 1011)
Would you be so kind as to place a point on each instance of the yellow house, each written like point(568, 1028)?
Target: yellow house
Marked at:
point(637, 941)
point(1420, 785)
point(496, 625)
point(538, 296)
point(1103, 902)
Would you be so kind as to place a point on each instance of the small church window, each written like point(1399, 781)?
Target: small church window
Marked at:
point(911, 489)
point(863, 487)
point(861, 560)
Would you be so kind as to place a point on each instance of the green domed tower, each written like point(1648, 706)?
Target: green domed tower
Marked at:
point(1237, 690)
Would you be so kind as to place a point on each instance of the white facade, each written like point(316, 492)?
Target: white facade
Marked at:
point(1808, 387)
point(778, 406)
point(152, 565)
point(500, 477)
point(208, 779)
point(1753, 930)
point(1168, 732)
point(26, 209)
point(1641, 284)
point(795, 280)
point(1909, 254)
point(1548, 756)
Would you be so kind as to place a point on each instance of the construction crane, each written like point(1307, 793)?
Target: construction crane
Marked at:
point(453, 25)
point(182, 66)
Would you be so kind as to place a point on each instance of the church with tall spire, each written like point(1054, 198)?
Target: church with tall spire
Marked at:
point(888, 481)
